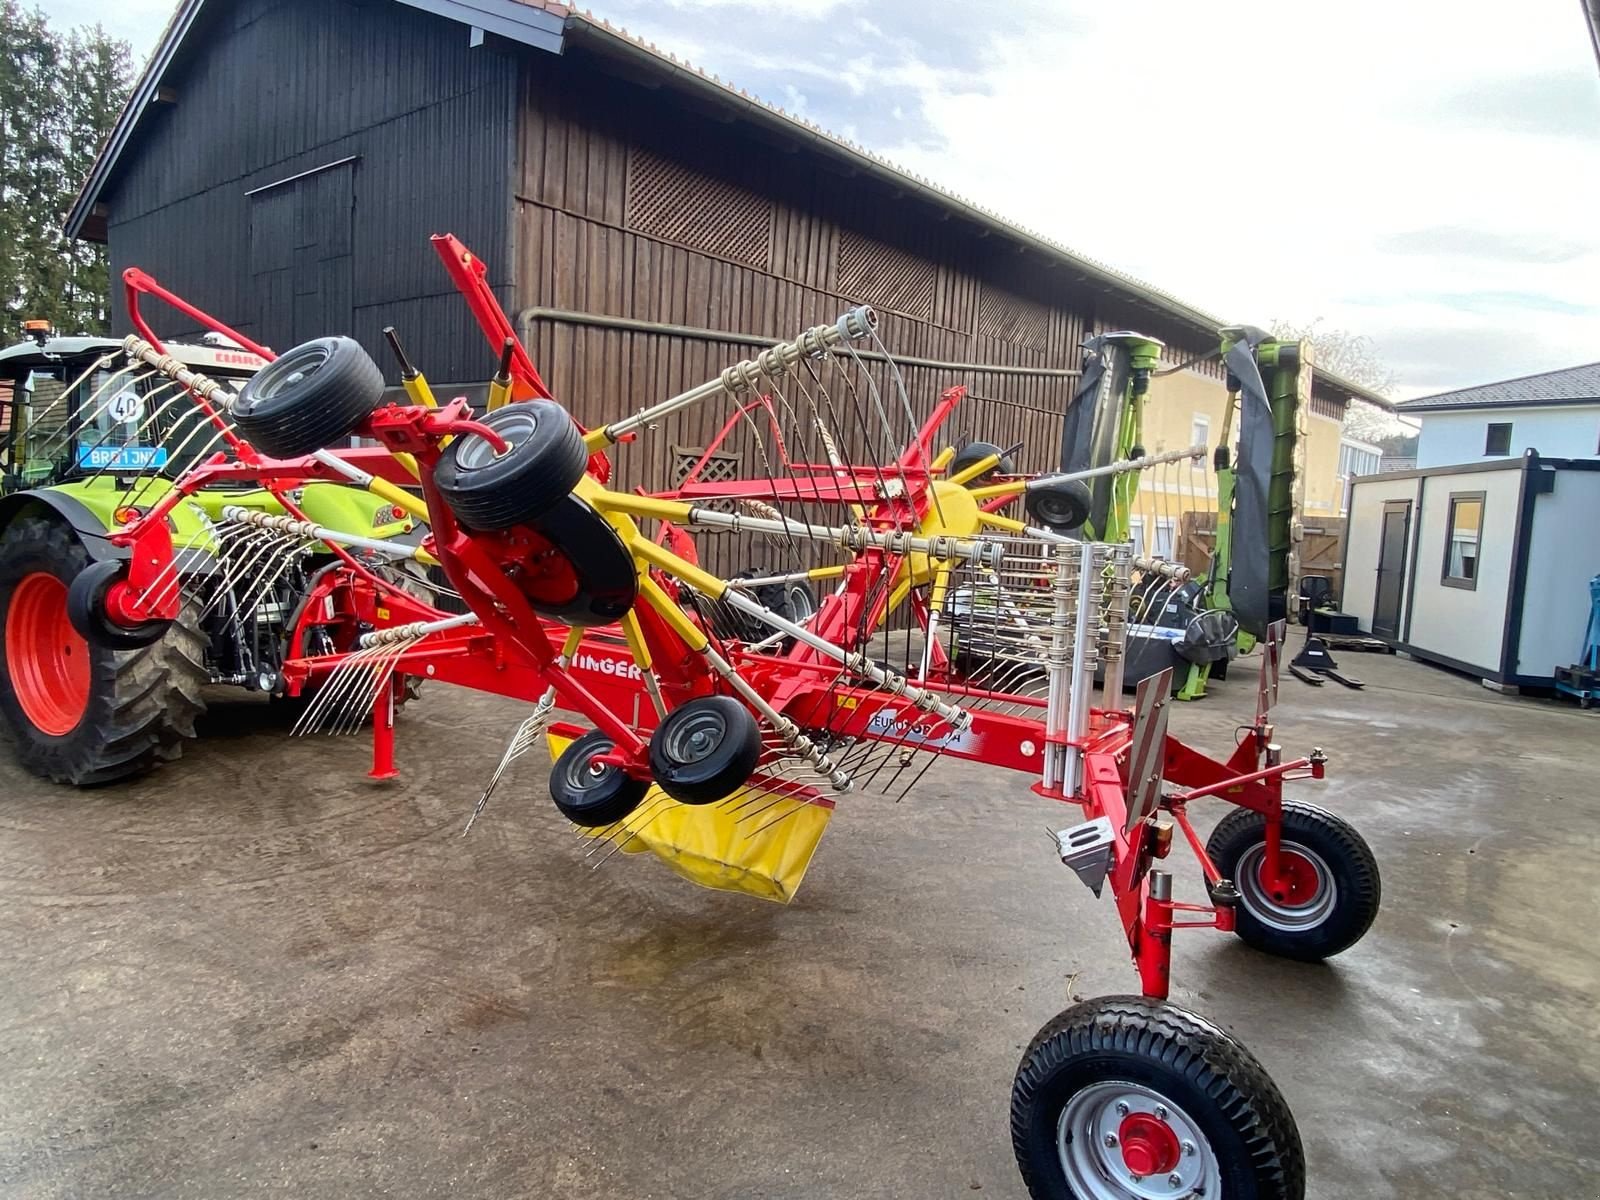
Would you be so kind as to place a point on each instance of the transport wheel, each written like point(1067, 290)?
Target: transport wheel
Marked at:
point(590, 794)
point(1329, 892)
point(309, 398)
point(489, 491)
point(1060, 506)
point(975, 452)
point(79, 712)
point(579, 572)
point(705, 749)
point(86, 609)
point(1128, 1098)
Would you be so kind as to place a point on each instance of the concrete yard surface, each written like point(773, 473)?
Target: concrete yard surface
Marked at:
point(257, 972)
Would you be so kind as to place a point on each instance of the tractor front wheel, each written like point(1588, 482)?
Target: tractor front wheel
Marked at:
point(82, 713)
point(1128, 1098)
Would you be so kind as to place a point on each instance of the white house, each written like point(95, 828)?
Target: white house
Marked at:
point(1556, 413)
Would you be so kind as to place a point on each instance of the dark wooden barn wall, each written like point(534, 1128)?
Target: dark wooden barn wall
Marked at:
point(630, 204)
point(272, 88)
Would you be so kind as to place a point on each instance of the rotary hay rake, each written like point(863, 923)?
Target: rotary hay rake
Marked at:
point(721, 716)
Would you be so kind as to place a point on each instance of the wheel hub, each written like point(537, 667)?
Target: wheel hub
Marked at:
point(1148, 1144)
point(1301, 895)
point(1125, 1141)
point(1297, 883)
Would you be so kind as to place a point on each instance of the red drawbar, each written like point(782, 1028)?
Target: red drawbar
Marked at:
point(47, 658)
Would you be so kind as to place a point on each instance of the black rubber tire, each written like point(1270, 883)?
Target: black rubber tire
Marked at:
point(1189, 1061)
point(974, 452)
point(1349, 860)
point(492, 492)
point(720, 768)
point(142, 702)
point(589, 799)
point(606, 582)
point(1060, 506)
point(86, 609)
point(311, 397)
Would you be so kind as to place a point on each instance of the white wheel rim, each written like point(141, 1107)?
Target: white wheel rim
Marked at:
point(1089, 1142)
point(801, 606)
point(1287, 918)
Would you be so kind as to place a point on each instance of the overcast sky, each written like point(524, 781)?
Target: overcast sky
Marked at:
point(1424, 172)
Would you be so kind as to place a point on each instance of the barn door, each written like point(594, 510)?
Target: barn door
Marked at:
point(1391, 569)
point(300, 254)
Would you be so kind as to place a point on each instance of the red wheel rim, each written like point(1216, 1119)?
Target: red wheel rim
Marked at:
point(1298, 883)
point(47, 658)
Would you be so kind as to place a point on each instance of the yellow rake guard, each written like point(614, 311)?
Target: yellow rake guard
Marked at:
point(757, 841)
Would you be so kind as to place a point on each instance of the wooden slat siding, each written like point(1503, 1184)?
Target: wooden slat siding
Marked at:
point(283, 86)
point(575, 251)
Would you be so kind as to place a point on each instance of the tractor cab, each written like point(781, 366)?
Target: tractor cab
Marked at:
point(75, 407)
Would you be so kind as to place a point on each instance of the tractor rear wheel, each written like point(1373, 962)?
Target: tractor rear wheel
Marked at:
point(81, 713)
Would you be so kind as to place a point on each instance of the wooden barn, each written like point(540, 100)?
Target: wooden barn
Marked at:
point(282, 163)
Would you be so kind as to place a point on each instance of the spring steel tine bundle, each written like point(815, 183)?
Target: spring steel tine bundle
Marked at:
point(524, 738)
point(94, 406)
point(339, 684)
point(98, 364)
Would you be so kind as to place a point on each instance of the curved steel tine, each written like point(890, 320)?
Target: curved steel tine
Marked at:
point(103, 361)
point(67, 431)
point(210, 444)
point(336, 681)
point(139, 429)
point(159, 591)
point(261, 592)
point(379, 675)
point(636, 823)
point(178, 393)
point(352, 707)
point(242, 549)
point(527, 733)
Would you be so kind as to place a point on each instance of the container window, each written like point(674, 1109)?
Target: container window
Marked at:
point(1463, 540)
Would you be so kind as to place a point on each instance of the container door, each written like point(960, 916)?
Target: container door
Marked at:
point(1391, 569)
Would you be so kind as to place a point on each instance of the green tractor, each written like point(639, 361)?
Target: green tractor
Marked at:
point(89, 440)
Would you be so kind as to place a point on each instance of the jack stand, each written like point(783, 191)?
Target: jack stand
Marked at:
point(383, 731)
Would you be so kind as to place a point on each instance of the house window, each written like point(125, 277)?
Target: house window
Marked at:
point(1498, 439)
point(1462, 534)
point(1163, 547)
point(1136, 535)
point(1355, 460)
point(1200, 431)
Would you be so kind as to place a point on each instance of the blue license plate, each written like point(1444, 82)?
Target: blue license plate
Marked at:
point(122, 458)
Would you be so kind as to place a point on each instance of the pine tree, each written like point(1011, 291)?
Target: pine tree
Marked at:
point(58, 100)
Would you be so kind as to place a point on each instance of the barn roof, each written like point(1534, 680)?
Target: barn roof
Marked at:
point(1570, 385)
point(553, 26)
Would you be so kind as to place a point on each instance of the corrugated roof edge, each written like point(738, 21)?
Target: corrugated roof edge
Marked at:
point(586, 24)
